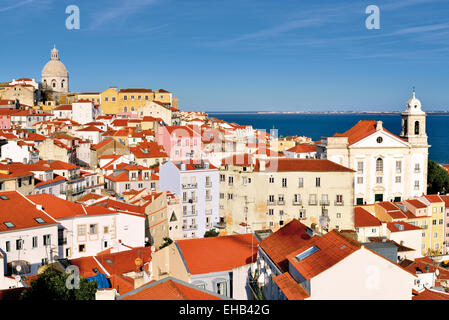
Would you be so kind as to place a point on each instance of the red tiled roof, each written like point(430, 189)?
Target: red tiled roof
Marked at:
point(332, 248)
point(286, 240)
point(135, 90)
point(363, 218)
point(287, 164)
point(394, 226)
point(57, 165)
point(290, 288)
point(431, 295)
point(167, 289)
point(361, 130)
point(417, 204)
point(44, 183)
point(244, 159)
point(303, 148)
point(59, 208)
point(17, 203)
point(100, 144)
point(433, 198)
point(235, 251)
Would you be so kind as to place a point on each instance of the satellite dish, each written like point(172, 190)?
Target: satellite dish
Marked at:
point(17, 278)
point(18, 268)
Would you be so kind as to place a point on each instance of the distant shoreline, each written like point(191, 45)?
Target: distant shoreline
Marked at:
point(442, 113)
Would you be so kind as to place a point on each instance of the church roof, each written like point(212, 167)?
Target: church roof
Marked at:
point(361, 130)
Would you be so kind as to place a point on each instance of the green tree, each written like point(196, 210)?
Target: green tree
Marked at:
point(437, 179)
point(211, 233)
point(51, 285)
point(167, 242)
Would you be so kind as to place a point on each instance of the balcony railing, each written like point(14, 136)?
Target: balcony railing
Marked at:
point(191, 227)
point(189, 185)
point(190, 200)
point(339, 203)
point(312, 203)
point(208, 184)
point(281, 202)
point(271, 203)
point(297, 202)
point(324, 202)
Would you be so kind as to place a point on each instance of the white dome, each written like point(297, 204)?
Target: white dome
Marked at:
point(54, 68)
point(414, 105)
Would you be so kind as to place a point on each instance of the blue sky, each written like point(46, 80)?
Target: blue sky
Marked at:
point(233, 55)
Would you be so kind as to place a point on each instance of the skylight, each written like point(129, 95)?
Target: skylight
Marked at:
point(307, 253)
point(10, 225)
point(109, 261)
point(39, 220)
point(4, 197)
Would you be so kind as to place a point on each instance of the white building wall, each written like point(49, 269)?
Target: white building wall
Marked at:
point(32, 255)
point(363, 275)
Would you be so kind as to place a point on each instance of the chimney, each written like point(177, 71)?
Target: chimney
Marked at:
point(379, 125)
point(39, 207)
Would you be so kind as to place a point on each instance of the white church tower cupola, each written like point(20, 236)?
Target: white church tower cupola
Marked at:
point(414, 123)
point(55, 76)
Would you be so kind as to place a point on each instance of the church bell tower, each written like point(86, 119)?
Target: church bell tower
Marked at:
point(414, 123)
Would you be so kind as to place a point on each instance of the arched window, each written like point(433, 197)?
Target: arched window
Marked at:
point(62, 83)
point(125, 109)
point(416, 127)
point(379, 165)
point(405, 127)
point(53, 84)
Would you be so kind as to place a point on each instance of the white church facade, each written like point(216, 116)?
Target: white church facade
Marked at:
point(388, 167)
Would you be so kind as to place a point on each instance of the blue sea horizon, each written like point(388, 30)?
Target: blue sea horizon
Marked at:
point(316, 125)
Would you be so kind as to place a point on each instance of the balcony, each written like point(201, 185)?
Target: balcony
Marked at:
point(339, 203)
point(281, 202)
point(209, 211)
point(297, 202)
point(189, 185)
point(312, 203)
point(271, 203)
point(190, 200)
point(191, 227)
point(324, 202)
point(190, 213)
point(209, 184)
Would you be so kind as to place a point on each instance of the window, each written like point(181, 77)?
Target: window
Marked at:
point(19, 244)
point(339, 199)
point(379, 180)
point(416, 184)
point(284, 182)
point(222, 288)
point(318, 182)
point(338, 215)
point(271, 180)
point(34, 242)
point(9, 225)
point(302, 213)
point(359, 180)
point(270, 212)
point(46, 238)
point(301, 182)
point(39, 220)
point(82, 248)
point(379, 140)
point(222, 178)
point(360, 167)
point(8, 246)
point(125, 98)
point(416, 127)
point(379, 165)
point(417, 169)
point(271, 198)
point(398, 166)
point(398, 179)
point(93, 229)
point(435, 235)
point(81, 230)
